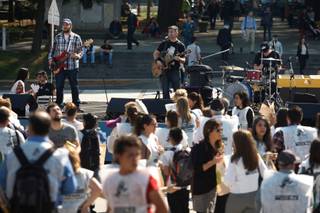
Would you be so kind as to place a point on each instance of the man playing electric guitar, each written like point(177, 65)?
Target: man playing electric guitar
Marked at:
point(67, 46)
point(171, 73)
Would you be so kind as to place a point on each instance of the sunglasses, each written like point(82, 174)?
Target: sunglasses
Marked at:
point(218, 130)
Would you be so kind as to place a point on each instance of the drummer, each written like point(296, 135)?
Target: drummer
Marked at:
point(266, 52)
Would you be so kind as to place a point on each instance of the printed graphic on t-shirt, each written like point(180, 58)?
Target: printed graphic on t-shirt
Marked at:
point(171, 50)
point(122, 190)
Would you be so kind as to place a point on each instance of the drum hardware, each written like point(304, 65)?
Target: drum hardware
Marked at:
point(291, 72)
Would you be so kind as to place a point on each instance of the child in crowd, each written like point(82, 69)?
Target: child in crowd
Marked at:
point(177, 195)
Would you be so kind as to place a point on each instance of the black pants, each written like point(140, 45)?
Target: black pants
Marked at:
point(131, 39)
point(179, 201)
point(221, 204)
point(170, 78)
point(225, 55)
point(72, 76)
point(213, 19)
point(267, 32)
point(302, 62)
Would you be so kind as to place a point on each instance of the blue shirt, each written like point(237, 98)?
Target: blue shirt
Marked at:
point(248, 23)
point(60, 173)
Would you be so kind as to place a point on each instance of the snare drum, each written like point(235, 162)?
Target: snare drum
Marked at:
point(253, 75)
point(238, 87)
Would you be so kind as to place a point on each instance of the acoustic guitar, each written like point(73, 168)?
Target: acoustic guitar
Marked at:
point(166, 61)
point(58, 62)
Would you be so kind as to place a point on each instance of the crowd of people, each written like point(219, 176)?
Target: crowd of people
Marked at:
point(227, 161)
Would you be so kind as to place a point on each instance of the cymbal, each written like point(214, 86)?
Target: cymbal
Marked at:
point(253, 71)
point(270, 59)
point(232, 68)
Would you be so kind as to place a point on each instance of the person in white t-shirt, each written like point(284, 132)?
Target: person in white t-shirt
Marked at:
point(177, 195)
point(145, 128)
point(195, 104)
point(163, 133)
point(88, 187)
point(243, 173)
point(295, 137)
point(129, 188)
point(186, 120)
point(194, 56)
point(243, 110)
point(9, 138)
point(311, 166)
point(71, 113)
point(262, 135)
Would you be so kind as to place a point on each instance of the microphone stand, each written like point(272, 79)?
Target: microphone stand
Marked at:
point(291, 78)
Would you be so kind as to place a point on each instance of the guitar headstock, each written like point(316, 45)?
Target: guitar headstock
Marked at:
point(88, 42)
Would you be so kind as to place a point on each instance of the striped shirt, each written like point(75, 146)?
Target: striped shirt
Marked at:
point(61, 44)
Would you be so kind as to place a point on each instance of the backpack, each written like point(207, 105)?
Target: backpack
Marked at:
point(90, 150)
point(14, 127)
point(182, 167)
point(15, 139)
point(31, 192)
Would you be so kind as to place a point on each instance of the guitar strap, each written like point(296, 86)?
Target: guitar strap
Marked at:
point(69, 42)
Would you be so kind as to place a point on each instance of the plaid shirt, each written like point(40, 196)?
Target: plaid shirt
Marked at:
point(61, 44)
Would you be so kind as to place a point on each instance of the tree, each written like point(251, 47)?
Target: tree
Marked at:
point(11, 11)
point(37, 38)
point(148, 9)
point(168, 13)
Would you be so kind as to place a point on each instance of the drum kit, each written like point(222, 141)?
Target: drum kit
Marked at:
point(259, 85)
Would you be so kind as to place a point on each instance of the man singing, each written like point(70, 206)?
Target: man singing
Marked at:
point(173, 49)
point(71, 43)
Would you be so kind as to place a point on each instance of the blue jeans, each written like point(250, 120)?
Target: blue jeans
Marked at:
point(72, 76)
point(103, 56)
point(85, 56)
point(172, 78)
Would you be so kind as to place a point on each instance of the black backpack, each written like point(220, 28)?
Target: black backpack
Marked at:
point(182, 168)
point(90, 150)
point(31, 192)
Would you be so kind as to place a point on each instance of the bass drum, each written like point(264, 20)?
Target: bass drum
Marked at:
point(238, 87)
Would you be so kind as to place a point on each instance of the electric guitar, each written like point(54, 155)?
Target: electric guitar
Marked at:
point(58, 62)
point(166, 61)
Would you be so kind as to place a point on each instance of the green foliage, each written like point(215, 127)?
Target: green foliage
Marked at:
point(11, 62)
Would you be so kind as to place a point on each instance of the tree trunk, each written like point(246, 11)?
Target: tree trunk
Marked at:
point(149, 10)
point(37, 38)
point(168, 13)
point(11, 11)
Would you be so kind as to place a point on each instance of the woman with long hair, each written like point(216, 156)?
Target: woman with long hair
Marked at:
point(186, 120)
point(205, 156)
point(243, 110)
point(22, 76)
point(311, 164)
point(243, 173)
point(88, 187)
point(262, 135)
point(195, 104)
point(145, 128)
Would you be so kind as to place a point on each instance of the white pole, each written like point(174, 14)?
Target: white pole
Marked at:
point(4, 38)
